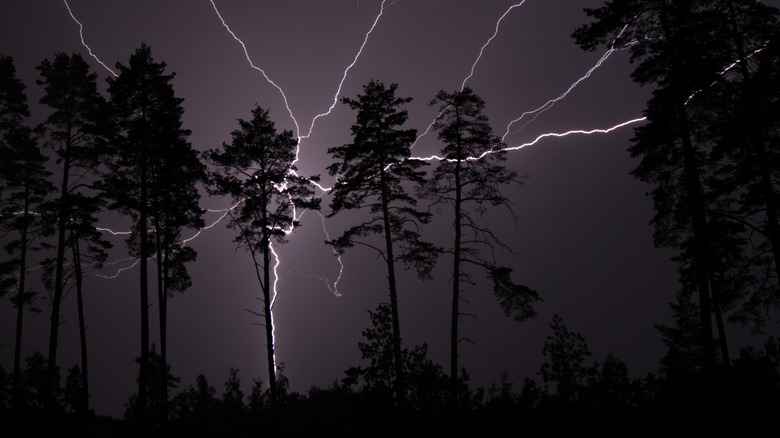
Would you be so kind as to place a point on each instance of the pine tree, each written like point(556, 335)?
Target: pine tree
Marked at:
point(24, 186)
point(73, 131)
point(152, 160)
point(373, 174)
point(468, 179)
point(257, 170)
point(679, 46)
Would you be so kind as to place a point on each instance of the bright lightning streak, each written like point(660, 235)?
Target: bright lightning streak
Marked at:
point(550, 103)
point(83, 43)
point(346, 71)
point(252, 64)
point(333, 287)
point(115, 233)
point(297, 129)
point(482, 50)
point(273, 299)
point(473, 66)
point(224, 212)
point(540, 138)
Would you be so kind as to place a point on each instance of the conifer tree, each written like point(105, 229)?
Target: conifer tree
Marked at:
point(152, 179)
point(24, 187)
point(468, 180)
point(257, 170)
point(374, 172)
point(73, 130)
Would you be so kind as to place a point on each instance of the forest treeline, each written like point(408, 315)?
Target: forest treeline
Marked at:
point(708, 148)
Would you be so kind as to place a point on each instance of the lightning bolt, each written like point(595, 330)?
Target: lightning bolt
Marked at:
point(224, 211)
point(120, 270)
point(540, 138)
point(252, 64)
point(83, 42)
point(333, 286)
point(484, 46)
point(115, 233)
point(550, 103)
point(346, 71)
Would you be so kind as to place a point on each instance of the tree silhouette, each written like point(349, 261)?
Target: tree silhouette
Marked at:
point(425, 389)
point(743, 129)
point(468, 179)
point(257, 171)
point(682, 47)
point(174, 203)
point(149, 150)
point(566, 368)
point(155, 397)
point(24, 186)
point(74, 132)
point(373, 172)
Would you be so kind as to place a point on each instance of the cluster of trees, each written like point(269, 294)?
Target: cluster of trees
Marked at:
point(574, 395)
point(127, 154)
point(709, 149)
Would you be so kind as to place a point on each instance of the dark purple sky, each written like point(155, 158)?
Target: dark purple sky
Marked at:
point(581, 238)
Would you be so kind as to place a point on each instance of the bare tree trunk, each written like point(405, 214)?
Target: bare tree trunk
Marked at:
point(16, 385)
point(143, 372)
point(162, 316)
point(455, 289)
point(54, 325)
point(84, 407)
point(399, 386)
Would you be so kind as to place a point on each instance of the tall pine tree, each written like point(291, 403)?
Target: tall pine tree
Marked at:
point(151, 179)
point(468, 180)
point(374, 173)
point(257, 170)
point(73, 132)
point(24, 187)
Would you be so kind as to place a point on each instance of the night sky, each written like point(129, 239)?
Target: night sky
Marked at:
point(581, 238)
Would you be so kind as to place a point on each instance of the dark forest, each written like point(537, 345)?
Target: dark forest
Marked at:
point(708, 149)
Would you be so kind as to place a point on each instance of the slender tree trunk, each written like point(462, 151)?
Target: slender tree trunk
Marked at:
point(16, 385)
point(84, 407)
point(456, 287)
point(399, 386)
point(143, 372)
point(718, 311)
point(62, 213)
point(164, 344)
point(700, 238)
point(269, 327)
point(162, 311)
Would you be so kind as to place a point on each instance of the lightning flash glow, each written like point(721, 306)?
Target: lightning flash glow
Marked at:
point(333, 285)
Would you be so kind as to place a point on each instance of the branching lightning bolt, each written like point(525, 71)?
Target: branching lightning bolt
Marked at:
point(333, 289)
point(550, 103)
point(333, 286)
point(252, 64)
